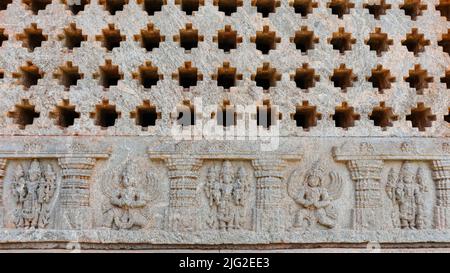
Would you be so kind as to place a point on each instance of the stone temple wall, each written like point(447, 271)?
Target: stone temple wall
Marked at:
point(224, 123)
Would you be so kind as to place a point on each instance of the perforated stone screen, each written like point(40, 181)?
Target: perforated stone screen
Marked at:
point(273, 121)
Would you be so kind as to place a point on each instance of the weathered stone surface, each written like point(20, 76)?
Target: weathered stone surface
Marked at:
point(98, 147)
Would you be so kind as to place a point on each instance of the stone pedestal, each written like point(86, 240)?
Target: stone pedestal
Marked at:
point(368, 212)
point(75, 211)
point(441, 177)
point(270, 212)
point(182, 213)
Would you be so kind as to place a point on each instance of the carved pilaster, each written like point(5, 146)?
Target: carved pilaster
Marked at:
point(75, 192)
point(2, 174)
point(368, 211)
point(183, 207)
point(441, 177)
point(270, 214)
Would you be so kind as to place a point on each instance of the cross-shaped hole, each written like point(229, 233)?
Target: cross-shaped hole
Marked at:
point(344, 116)
point(145, 115)
point(36, 5)
point(64, 114)
point(113, 6)
point(421, 117)
point(306, 115)
point(23, 114)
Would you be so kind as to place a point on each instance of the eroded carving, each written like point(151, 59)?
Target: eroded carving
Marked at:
point(127, 199)
point(33, 191)
point(315, 197)
point(407, 195)
point(227, 192)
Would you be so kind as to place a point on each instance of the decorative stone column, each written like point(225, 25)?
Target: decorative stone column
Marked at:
point(2, 174)
point(182, 214)
point(441, 177)
point(270, 214)
point(75, 192)
point(368, 212)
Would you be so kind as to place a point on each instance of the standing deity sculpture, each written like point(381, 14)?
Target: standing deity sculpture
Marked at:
point(314, 198)
point(227, 191)
point(33, 192)
point(407, 195)
point(125, 208)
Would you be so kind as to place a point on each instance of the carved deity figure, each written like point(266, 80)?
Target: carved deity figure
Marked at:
point(315, 199)
point(407, 195)
point(33, 193)
point(126, 201)
point(226, 192)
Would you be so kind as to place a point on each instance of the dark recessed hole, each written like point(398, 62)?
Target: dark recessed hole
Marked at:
point(108, 74)
point(266, 115)
point(381, 78)
point(152, 6)
point(227, 76)
point(421, 117)
point(304, 7)
point(340, 7)
point(304, 39)
point(447, 117)
point(415, 42)
point(343, 77)
point(306, 115)
point(382, 116)
point(64, 114)
point(445, 42)
point(266, 77)
point(187, 75)
point(342, 40)
point(227, 39)
point(189, 6)
point(413, 8)
point(226, 115)
point(344, 116)
point(228, 6)
point(265, 7)
point(378, 41)
point(186, 114)
point(36, 5)
point(2, 74)
point(68, 75)
point(265, 40)
point(148, 75)
point(76, 6)
point(72, 36)
point(418, 78)
point(3, 36)
point(113, 6)
point(105, 115)
point(377, 9)
point(4, 4)
point(110, 37)
point(28, 75)
point(149, 38)
point(188, 37)
point(446, 79)
point(145, 115)
point(304, 77)
point(444, 8)
point(32, 37)
point(23, 114)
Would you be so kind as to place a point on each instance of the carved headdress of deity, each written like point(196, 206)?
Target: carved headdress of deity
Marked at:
point(227, 171)
point(407, 172)
point(35, 170)
point(316, 170)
